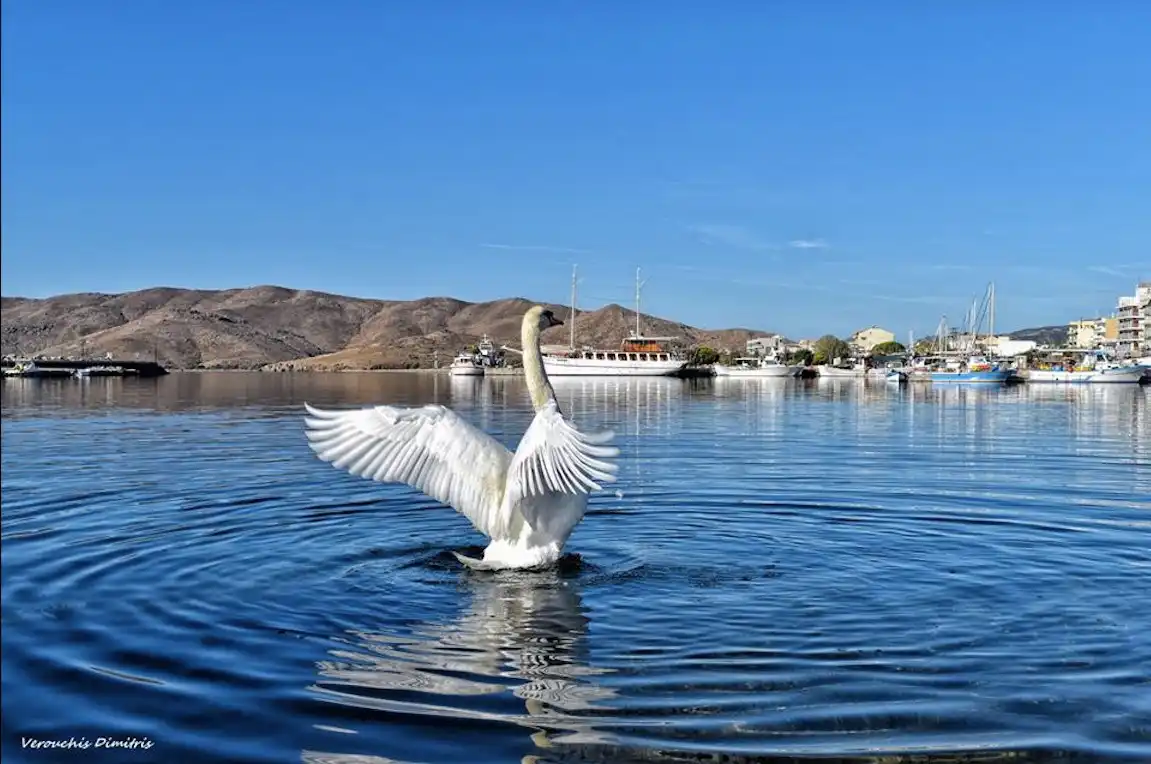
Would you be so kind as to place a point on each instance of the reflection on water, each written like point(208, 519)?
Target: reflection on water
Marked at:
point(523, 634)
point(787, 568)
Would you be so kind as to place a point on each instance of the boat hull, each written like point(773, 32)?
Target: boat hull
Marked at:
point(467, 371)
point(763, 372)
point(587, 367)
point(990, 377)
point(832, 371)
point(1122, 375)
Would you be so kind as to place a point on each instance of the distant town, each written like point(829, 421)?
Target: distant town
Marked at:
point(1124, 334)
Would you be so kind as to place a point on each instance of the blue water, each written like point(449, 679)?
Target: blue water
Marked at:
point(786, 569)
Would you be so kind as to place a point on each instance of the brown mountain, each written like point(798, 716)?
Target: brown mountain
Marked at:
point(269, 326)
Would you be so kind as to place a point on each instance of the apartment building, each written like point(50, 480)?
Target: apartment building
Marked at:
point(865, 339)
point(1093, 332)
point(765, 346)
point(1133, 316)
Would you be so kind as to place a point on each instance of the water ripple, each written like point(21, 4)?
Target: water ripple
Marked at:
point(788, 570)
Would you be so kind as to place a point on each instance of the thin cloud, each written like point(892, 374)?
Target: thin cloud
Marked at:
point(734, 236)
point(1122, 271)
point(740, 279)
point(537, 248)
point(808, 244)
point(914, 300)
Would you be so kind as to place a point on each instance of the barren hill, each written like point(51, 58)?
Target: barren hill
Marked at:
point(273, 326)
point(1044, 335)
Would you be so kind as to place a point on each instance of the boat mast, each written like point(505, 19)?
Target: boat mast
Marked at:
point(638, 286)
point(991, 319)
point(571, 341)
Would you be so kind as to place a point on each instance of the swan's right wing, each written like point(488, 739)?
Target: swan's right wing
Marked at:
point(556, 458)
point(429, 448)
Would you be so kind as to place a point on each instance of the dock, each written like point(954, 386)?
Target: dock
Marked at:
point(131, 368)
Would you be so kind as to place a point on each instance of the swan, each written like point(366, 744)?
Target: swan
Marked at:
point(526, 503)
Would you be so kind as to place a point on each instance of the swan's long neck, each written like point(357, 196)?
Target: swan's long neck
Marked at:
point(539, 387)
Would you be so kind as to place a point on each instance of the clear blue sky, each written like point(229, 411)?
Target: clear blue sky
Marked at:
point(792, 166)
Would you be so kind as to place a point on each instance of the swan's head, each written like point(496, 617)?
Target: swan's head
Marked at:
point(541, 317)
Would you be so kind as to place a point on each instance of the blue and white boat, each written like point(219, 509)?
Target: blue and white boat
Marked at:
point(973, 370)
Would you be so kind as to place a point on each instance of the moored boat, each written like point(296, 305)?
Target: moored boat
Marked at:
point(1093, 367)
point(466, 365)
point(755, 368)
point(856, 370)
point(972, 370)
point(30, 369)
point(637, 356)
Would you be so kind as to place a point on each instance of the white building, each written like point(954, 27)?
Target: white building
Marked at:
point(1005, 347)
point(765, 346)
point(1134, 319)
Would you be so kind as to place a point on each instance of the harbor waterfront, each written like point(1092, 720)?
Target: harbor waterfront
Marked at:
point(840, 569)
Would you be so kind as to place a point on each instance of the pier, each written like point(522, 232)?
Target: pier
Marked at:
point(131, 368)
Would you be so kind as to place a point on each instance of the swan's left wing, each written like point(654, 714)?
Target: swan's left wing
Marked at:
point(555, 458)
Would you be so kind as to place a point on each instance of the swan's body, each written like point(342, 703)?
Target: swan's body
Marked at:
point(527, 502)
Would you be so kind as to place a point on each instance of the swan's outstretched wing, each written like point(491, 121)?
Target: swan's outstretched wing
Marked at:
point(555, 457)
point(430, 448)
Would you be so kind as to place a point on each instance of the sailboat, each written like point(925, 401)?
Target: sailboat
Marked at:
point(637, 355)
point(969, 366)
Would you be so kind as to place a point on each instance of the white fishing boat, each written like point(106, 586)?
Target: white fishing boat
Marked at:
point(1093, 367)
point(466, 365)
point(637, 356)
point(486, 351)
point(755, 368)
point(843, 370)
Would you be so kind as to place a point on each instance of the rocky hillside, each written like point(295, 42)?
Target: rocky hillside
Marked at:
point(269, 326)
point(1043, 335)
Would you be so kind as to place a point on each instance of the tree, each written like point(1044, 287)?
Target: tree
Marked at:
point(802, 356)
point(925, 347)
point(703, 355)
point(888, 348)
point(829, 347)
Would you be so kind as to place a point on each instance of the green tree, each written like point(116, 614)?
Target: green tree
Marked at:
point(801, 356)
point(888, 348)
point(925, 347)
point(829, 347)
point(703, 355)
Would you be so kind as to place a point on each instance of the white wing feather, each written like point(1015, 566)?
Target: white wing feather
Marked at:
point(429, 448)
point(555, 458)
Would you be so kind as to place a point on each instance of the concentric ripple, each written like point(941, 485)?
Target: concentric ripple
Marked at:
point(786, 570)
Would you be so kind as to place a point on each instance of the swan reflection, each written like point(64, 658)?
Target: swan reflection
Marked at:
point(523, 634)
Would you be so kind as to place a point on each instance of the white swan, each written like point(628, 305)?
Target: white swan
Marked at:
point(527, 503)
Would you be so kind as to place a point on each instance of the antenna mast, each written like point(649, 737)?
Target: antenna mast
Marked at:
point(571, 321)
